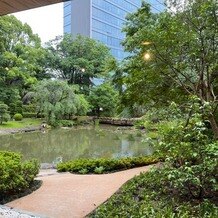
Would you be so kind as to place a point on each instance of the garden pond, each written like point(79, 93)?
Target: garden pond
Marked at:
point(57, 145)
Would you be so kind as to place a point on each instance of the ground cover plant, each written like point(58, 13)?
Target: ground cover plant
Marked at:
point(16, 176)
point(101, 165)
point(147, 195)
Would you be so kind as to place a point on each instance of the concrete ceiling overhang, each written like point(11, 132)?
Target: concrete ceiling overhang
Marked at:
point(12, 6)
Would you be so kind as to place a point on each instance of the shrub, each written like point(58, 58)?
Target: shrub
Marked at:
point(18, 117)
point(66, 123)
point(30, 108)
point(105, 165)
point(191, 156)
point(16, 107)
point(62, 123)
point(29, 115)
point(15, 175)
point(4, 114)
point(99, 170)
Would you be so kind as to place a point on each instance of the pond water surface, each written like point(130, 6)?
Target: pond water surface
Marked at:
point(68, 144)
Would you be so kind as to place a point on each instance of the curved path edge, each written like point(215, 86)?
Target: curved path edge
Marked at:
point(73, 196)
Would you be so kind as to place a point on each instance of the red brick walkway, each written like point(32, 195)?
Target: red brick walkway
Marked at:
point(73, 196)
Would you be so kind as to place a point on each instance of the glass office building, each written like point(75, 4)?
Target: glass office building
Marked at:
point(103, 20)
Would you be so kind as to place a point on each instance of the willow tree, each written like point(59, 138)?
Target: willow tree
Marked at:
point(180, 50)
point(56, 100)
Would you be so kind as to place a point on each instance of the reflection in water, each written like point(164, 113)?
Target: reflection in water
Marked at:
point(66, 144)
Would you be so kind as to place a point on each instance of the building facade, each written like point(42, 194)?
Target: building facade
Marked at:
point(103, 20)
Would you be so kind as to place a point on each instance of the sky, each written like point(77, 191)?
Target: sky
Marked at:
point(46, 21)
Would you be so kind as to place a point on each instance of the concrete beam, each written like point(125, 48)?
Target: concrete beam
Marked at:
point(12, 6)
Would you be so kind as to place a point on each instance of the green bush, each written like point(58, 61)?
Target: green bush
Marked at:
point(4, 114)
point(190, 153)
point(30, 108)
point(105, 165)
point(66, 123)
point(18, 117)
point(29, 115)
point(15, 175)
point(16, 107)
point(62, 123)
point(99, 170)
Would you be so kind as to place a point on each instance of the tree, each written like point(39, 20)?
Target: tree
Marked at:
point(181, 51)
point(22, 59)
point(103, 100)
point(56, 99)
point(77, 60)
point(4, 114)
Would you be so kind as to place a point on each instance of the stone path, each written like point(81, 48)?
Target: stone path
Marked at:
point(65, 195)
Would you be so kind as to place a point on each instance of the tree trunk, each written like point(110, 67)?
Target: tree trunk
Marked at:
point(214, 126)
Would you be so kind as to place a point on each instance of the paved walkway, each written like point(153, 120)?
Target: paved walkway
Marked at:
point(66, 195)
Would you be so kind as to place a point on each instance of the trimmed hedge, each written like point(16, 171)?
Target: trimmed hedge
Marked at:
point(29, 115)
point(18, 117)
point(99, 166)
point(15, 176)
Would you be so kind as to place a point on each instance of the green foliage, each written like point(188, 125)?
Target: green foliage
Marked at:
point(185, 184)
point(15, 175)
point(103, 100)
point(179, 65)
point(29, 108)
point(99, 170)
point(105, 165)
point(83, 171)
point(189, 150)
point(191, 159)
point(22, 61)
point(4, 114)
point(82, 105)
point(56, 100)
point(27, 122)
point(16, 107)
point(66, 123)
point(144, 196)
point(18, 117)
point(29, 115)
point(78, 59)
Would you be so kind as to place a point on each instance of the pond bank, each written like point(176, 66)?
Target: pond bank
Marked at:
point(128, 122)
point(19, 130)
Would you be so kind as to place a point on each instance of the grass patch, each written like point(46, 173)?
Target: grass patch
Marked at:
point(99, 166)
point(147, 196)
point(27, 122)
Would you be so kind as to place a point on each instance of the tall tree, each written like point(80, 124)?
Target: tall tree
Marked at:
point(103, 100)
point(77, 60)
point(21, 58)
point(180, 53)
